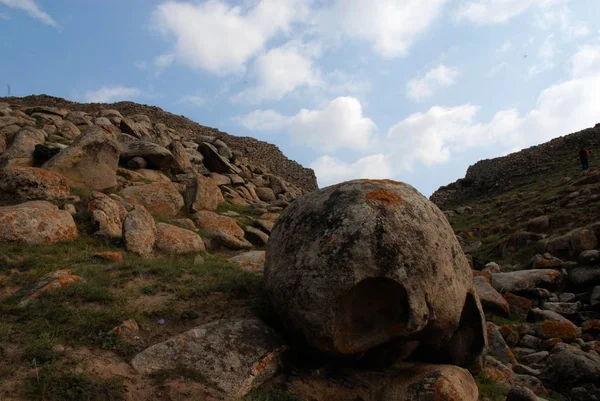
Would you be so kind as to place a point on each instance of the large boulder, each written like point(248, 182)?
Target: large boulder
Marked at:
point(30, 183)
point(108, 216)
point(181, 160)
point(139, 231)
point(158, 156)
point(235, 355)
point(36, 223)
point(404, 381)
point(203, 193)
point(173, 240)
point(368, 262)
point(159, 198)
point(20, 151)
point(90, 162)
point(251, 260)
point(224, 229)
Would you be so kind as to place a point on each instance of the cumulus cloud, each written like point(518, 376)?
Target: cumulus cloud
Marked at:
point(434, 136)
point(391, 26)
point(109, 94)
point(585, 62)
point(330, 170)
point(32, 9)
point(439, 77)
point(219, 38)
point(341, 124)
point(280, 71)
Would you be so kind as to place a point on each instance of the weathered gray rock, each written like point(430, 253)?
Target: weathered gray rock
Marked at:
point(158, 156)
point(160, 198)
point(220, 179)
point(525, 280)
point(570, 366)
point(173, 240)
point(181, 161)
point(214, 161)
point(534, 358)
point(90, 162)
point(20, 152)
point(224, 229)
point(113, 115)
point(538, 315)
point(497, 347)
point(521, 394)
point(530, 341)
point(358, 264)
point(564, 308)
point(36, 223)
point(30, 183)
point(584, 276)
point(108, 216)
point(139, 231)
point(589, 257)
point(203, 193)
point(251, 260)
point(67, 130)
point(265, 194)
point(545, 261)
point(491, 300)
point(235, 355)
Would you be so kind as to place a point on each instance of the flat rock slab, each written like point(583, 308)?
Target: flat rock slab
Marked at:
point(36, 223)
point(525, 280)
point(234, 355)
point(30, 183)
point(491, 300)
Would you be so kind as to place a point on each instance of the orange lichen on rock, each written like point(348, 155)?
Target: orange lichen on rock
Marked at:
point(566, 331)
point(110, 256)
point(384, 196)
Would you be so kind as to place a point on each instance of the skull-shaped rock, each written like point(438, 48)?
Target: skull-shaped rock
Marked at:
point(365, 263)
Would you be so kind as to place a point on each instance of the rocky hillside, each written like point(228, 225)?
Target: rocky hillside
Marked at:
point(260, 153)
point(144, 257)
point(529, 222)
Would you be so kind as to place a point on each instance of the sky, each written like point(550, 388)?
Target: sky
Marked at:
point(412, 90)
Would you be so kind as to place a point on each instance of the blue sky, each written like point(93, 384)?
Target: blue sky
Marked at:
point(414, 90)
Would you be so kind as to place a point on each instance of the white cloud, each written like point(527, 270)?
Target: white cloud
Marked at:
point(109, 94)
point(32, 9)
point(220, 38)
point(585, 62)
point(439, 77)
point(341, 124)
point(433, 137)
point(280, 71)
point(195, 100)
point(4, 16)
point(263, 121)
point(330, 170)
point(391, 26)
point(493, 11)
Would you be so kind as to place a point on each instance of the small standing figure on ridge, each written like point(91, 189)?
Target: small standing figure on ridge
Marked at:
point(584, 156)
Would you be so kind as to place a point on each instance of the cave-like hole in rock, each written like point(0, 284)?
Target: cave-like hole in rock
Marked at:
point(371, 313)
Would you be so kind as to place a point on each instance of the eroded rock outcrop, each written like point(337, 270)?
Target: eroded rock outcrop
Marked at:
point(363, 263)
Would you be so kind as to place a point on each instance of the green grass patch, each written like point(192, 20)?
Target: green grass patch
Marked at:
point(242, 210)
point(52, 386)
point(495, 391)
